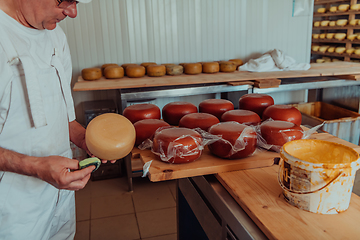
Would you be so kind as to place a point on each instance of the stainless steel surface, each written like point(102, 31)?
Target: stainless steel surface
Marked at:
point(288, 86)
point(232, 219)
point(132, 94)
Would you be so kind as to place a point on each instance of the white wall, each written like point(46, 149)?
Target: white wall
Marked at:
point(174, 31)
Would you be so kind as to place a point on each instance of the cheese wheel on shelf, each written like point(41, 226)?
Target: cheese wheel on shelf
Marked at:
point(193, 68)
point(174, 70)
point(156, 70)
point(277, 133)
point(142, 111)
point(216, 107)
point(238, 62)
point(255, 102)
point(145, 129)
point(198, 120)
point(110, 136)
point(174, 111)
point(125, 65)
point(91, 73)
point(177, 145)
point(145, 64)
point(107, 65)
point(210, 67)
point(283, 113)
point(135, 71)
point(114, 72)
point(237, 140)
point(168, 64)
point(227, 66)
point(242, 116)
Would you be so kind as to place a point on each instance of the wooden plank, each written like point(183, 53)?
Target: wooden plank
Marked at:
point(334, 68)
point(350, 77)
point(258, 192)
point(267, 83)
point(206, 164)
point(240, 83)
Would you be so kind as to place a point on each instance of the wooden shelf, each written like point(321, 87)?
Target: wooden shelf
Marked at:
point(347, 27)
point(335, 41)
point(321, 2)
point(339, 13)
point(336, 54)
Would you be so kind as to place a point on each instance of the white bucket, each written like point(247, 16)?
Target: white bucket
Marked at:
point(318, 176)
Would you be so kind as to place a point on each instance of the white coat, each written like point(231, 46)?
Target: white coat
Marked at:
point(34, 117)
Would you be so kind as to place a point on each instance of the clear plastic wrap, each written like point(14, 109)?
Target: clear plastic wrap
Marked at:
point(274, 139)
point(230, 144)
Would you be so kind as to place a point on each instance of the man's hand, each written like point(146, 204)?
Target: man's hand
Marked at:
point(56, 171)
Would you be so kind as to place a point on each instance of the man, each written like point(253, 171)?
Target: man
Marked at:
point(37, 120)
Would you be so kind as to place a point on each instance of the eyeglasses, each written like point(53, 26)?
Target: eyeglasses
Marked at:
point(66, 3)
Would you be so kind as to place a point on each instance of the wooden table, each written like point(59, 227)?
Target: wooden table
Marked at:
point(257, 208)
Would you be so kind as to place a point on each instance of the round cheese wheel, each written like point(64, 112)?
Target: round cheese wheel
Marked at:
point(230, 145)
point(198, 120)
point(107, 65)
point(146, 128)
point(91, 73)
point(278, 133)
point(142, 111)
point(210, 67)
point(168, 64)
point(135, 71)
point(216, 107)
point(125, 65)
point(227, 66)
point(145, 64)
point(110, 136)
point(246, 117)
point(193, 68)
point(255, 102)
point(177, 145)
point(238, 62)
point(156, 70)
point(283, 113)
point(174, 111)
point(114, 72)
point(173, 70)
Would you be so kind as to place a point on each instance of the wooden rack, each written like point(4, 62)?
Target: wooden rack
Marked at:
point(348, 29)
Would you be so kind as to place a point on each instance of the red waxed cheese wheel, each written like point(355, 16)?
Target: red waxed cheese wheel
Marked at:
point(216, 107)
point(142, 111)
point(283, 113)
point(230, 131)
point(280, 132)
point(198, 120)
point(174, 111)
point(187, 141)
point(255, 102)
point(146, 128)
point(246, 117)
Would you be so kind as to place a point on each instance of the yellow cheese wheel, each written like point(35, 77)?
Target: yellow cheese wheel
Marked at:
point(110, 136)
point(227, 66)
point(114, 72)
point(210, 67)
point(173, 70)
point(135, 71)
point(107, 65)
point(193, 68)
point(91, 73)
point(238, 62)
point(156, 70)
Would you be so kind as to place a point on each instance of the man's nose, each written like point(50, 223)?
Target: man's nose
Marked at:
point(71, 11)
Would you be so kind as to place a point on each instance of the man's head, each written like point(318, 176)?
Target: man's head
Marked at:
point(44, 14)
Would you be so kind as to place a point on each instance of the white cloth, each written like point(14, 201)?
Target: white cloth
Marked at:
point(29, 207)
point(274, 60)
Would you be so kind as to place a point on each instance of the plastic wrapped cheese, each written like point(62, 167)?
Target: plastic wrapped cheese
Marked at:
point(110, 136)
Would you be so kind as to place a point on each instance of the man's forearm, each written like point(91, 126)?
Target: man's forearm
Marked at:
point(77, 134)
point(11, 161)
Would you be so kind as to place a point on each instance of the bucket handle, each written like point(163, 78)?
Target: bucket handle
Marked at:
point(301, 192)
